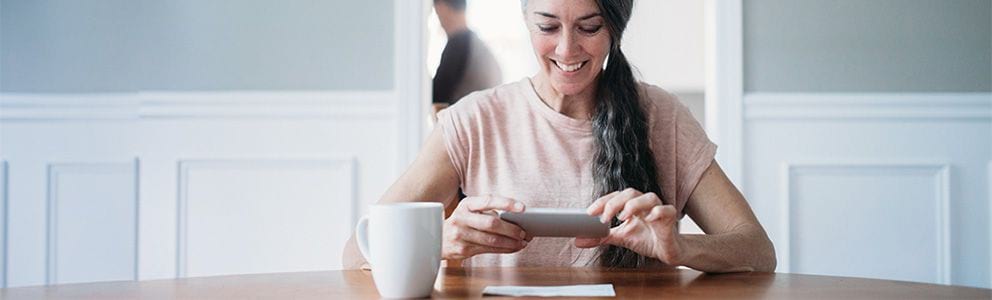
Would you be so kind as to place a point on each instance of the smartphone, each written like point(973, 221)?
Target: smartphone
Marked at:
point(557, 222)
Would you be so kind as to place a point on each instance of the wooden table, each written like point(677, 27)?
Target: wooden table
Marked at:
point(469, 282)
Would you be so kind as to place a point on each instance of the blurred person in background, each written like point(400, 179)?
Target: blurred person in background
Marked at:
point(466, 64)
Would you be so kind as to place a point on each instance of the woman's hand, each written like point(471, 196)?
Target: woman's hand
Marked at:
point(648, 226)
point(473, 228)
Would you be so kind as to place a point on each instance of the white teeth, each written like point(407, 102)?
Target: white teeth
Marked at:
point(569, 68)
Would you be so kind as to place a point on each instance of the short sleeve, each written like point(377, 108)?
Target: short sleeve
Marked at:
point(681, 148)
point(454, 134)
point(694, 153)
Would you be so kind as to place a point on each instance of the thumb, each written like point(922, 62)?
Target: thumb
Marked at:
point(589, 242)
point(662, 218)
point(613, 238)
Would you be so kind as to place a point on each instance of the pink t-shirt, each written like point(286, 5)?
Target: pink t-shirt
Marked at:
point(505, 141)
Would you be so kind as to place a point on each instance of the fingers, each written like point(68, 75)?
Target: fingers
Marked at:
point(663, 221)
point(640, 205)
point(474, 229)
point(490, 240)
point(466, 250)
point(652, 233)
point(484, 203)
point(628, 235)
point(623, 205)
point(491, 224)
point(597, 206)
point(529, 237)
point(615, 204)
point(463, 241)
point(665, 213)
point(616, 237)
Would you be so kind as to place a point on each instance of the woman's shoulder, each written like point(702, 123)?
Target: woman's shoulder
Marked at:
point(656, 95)
point(495, 100)
point(658, 102)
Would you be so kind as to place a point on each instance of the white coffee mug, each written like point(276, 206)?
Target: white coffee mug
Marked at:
point(402, 243)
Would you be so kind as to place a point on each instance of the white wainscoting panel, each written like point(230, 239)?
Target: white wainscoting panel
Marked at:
point(887, 186)
point(349, 138)
point(229, 213)
point(262, 216)
point(92, 222)
point(897, 211)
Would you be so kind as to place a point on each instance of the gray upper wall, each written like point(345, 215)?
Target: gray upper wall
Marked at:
point(868, 45)
point(50, 46)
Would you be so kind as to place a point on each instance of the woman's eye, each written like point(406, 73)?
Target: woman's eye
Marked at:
point(590, 29)
point(547, 28)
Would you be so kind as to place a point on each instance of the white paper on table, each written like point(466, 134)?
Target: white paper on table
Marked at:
point(582, 290)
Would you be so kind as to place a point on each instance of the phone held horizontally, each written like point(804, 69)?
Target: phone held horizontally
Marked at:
point(557, 222)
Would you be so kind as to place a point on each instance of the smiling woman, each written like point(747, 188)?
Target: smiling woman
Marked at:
point(579, 49)
point(581, 133)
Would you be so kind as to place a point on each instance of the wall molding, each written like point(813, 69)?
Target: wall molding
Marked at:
point(267, 104)
point(868, 106)
point(52, 208)
point(55, 107)
point(5, 201)
point(941, 176)
point(184, 166)
point(185, 105)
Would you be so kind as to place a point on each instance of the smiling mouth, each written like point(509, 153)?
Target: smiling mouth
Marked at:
point(568, 68)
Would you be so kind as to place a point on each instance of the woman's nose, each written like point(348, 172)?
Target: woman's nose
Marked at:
point(567, 45)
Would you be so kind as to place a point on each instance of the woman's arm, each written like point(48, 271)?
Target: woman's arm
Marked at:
point(431, 177)
point(734, 240)
point(471, 229)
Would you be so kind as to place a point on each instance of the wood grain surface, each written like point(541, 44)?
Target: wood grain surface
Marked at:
point(468, 283)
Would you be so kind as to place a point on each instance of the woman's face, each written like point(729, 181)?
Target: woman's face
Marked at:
point(571, 42)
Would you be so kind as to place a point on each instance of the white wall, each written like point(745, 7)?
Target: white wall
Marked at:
point(126, 183)
point(126, 46)
point(876, 46)
point(867, 136)
point(664, 41)
point(873, 185)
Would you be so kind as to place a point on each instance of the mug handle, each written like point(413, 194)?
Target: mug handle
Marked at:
point(362, 238)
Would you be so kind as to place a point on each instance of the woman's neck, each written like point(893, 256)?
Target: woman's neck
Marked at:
point(579, 106)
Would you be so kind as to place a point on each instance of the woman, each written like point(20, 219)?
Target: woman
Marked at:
point(581, 133)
